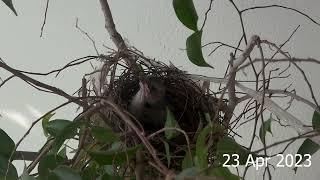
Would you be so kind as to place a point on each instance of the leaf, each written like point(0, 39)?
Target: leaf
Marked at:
point(12, 173)
point(170, 123)
point(307, 147)
point(189, 172)
point(202, 149)
point(167, 148)
point(222, 172)
point(10, 5)
point(89, 173)
point(105, 135)
point(113, 157)
point(45, 121)
point(63, 152)
point(26, 176)
point(69, 131)
point(187, 161)
point(108, 177)
point(47, 164)
point(186, 13)
point(6, 145)
point(54, 127)
point(66, 173)
point(109, 169)
point(194, 50)
point(228, 146)
point(266, 127)
point(316, 121)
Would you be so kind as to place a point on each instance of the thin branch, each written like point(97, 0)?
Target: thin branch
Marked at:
point(6, 80)
point(283, 7)
point(40, 84)
point(45, 18)
point(88, 36)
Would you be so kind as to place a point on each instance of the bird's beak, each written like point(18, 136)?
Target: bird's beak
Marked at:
point(144, 88)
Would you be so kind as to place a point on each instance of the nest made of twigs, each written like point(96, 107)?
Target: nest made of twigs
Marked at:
point(192, 107)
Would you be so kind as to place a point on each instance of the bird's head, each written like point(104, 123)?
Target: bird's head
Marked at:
point(152, 90)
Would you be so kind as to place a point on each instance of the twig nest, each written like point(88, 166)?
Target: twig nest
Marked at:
point(192, 109)
point(184, 97)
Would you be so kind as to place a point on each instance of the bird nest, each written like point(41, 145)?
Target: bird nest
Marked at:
point(193, 109)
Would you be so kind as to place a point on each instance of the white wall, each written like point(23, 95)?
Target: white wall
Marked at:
point(150, 26)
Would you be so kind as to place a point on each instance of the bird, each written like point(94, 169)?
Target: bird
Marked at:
point(148, 104)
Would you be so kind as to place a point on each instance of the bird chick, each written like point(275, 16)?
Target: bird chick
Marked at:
point(148, 105)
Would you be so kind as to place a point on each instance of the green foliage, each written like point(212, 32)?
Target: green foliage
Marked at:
point(186, 13)
point(167, 148)
point(45, 121)
point(202, 149)
point(170, 123)
point(113, 156)
point(228, 146)
point(222, 172)
point(26, 176)
point(12, 172)
point(316, 121)
point(68, 130)
point(55, 127)
point(47, 164)
point(89, 173)
point(6, 145)
point(105, 135)
point(266, 127)
point(109, 177)
point(194, 50)
point(187, 161)
point(64, 173)
point(10, 5)
point(307, 147)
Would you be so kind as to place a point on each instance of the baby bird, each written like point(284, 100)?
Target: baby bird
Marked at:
point(148, 105)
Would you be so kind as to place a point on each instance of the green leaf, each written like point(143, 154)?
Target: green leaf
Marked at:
point(12, 173)
point(63, 152)
point(68, 131)
point(6, 145)
point(45, 121)
point(187, 161)
point(54, 127)
point(228, 146)
point(105, 135)
point(186, 13)
point(201, 148)
point(266, 127)
point(170, 123)
point(194, 50)
point(113, 157)
point(26, 176)
point(47, 164)
point(222, 172)
point(167, 148)
point(189, 172)
point(307, 147)
point(108, 177)
point(66, 173)
point(10, 5)
point(109, 169)
point(89, 173)
point(316, 121)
